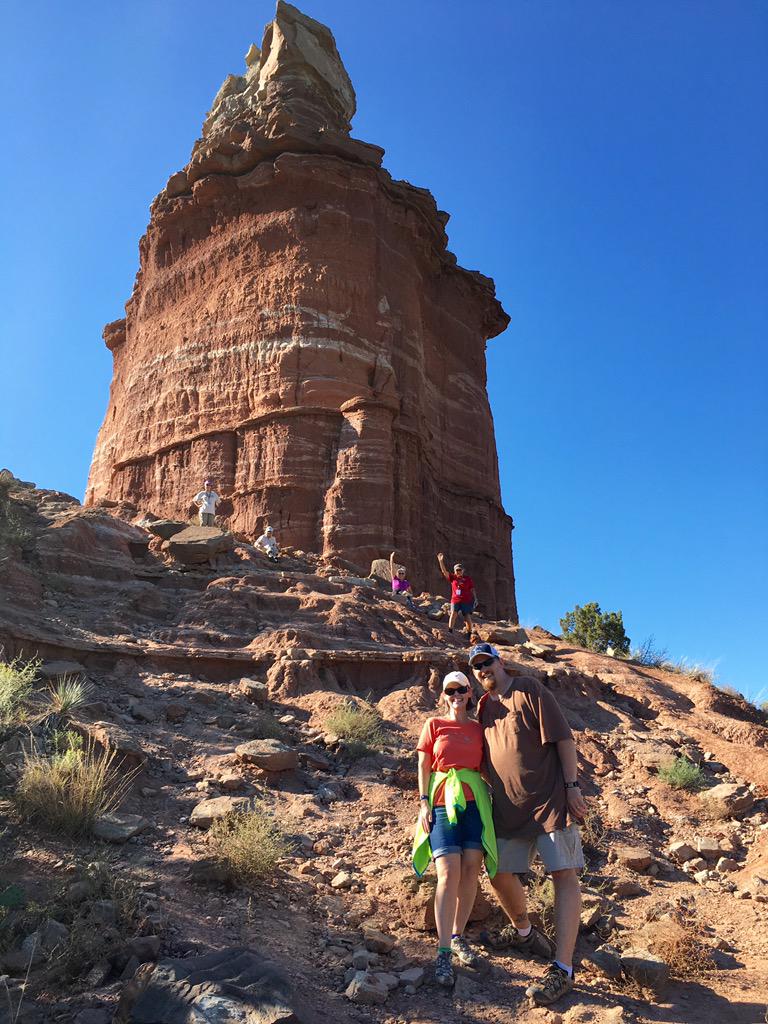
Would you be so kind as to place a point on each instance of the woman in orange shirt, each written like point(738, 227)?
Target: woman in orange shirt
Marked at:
point(450, 754)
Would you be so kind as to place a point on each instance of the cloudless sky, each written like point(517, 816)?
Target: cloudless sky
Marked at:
point(604, 160)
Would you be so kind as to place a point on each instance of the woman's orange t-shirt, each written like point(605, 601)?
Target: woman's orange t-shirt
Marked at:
point(452, 745)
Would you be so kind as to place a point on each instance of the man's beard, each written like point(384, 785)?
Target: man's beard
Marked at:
point(488, 683)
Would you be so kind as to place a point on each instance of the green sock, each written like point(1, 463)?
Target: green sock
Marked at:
point(443, 949)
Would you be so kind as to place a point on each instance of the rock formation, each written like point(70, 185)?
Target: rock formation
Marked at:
point(299, 332)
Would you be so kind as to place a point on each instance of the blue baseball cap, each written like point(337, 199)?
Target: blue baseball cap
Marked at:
point(485, 650)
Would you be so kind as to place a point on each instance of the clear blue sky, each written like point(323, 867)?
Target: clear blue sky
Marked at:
point(606, 162)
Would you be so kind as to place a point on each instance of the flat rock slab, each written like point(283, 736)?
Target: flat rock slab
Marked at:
point(119, 828)
point(56, 669)
point(230, 986)
point(636, 858)
point(196, 545)
point(271, 755)
point(734, 798)
point(166, 528)
point(208, 811)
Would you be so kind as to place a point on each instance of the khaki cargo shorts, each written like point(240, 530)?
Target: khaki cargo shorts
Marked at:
point(558, 851)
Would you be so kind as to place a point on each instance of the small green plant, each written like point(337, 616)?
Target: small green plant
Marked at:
point(251, 844)
point(359, 726)
point(680, 773)
point(589, 627)
point(541, 895)
point(649, 655)
point(67, 695)
point(16, 680)
point(70, 788)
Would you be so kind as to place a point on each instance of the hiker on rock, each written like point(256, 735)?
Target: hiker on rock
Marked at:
point(400, 585)
point(206, 501)
point(455, 824)
point(268, 544)
point(463, 598)
point(531, 765)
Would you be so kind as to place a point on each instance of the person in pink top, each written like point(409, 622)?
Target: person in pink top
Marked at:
point(400, 585)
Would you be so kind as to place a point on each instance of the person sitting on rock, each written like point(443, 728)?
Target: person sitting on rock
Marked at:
point(455, 824)
point(206, 501)
point(268, 544)
point(531, 766)
point(463, 599)
point(400, 585)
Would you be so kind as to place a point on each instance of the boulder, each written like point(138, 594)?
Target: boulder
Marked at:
point(735, 799)
point(711, 848)
point(505, 636)
point(270, 755)
point(376, 941)
point(413, 976)
point(117, 827)
point(207, 811)
point(230, 986)
point(681, 851)
point(253, 690)
point(607, 960)
point(380, 570)
point(636, 858)
point(196, 545)
point(366, 989)
point(145, 948)
point(647, 969)
point(166, 528)
point(128, 752)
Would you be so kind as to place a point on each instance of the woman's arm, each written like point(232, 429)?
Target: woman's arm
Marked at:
point(425, 772)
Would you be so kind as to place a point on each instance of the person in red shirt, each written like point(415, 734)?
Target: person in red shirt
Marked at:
point(463, 597)
point(452, 742)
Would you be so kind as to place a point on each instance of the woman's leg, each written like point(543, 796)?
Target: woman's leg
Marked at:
point(471, 861)
point(448, 868)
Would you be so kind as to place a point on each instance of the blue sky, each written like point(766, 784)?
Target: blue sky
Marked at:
point(604, 161)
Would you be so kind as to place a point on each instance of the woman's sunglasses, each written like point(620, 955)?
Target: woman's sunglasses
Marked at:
point(456, 689)
point(483, 664)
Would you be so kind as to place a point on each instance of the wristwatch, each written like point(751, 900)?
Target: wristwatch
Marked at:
point(572, 785)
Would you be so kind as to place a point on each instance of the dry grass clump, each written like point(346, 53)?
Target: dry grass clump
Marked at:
point(594, 832)
point(731, 691)
point(359, 726)
point(677, 945)
point(680, 773)
point(67, 695)
point(67, 789)
point(250, 843)
point(649, 655)
point(541, 899)
point(16, 680)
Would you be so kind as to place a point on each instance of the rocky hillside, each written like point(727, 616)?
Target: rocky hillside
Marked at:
point(214, 676)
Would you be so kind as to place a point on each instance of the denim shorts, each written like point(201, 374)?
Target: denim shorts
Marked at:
point(465, 607)
point(466, 834)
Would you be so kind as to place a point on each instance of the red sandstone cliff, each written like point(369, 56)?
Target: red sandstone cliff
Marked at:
point(299, 332)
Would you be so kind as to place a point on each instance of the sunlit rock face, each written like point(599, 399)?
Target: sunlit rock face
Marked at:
point(299, 332)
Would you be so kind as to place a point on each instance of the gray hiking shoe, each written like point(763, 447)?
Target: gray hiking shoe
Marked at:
point(464, 953)
point(444, 974)
point(555, 983)
point(535, 943)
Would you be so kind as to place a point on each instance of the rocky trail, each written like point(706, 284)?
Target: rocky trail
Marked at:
point(214, 680)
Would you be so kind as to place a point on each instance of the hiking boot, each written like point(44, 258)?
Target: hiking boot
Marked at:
point(464, 953)
point(535, 943)
point(555, 983)
point(444, 974)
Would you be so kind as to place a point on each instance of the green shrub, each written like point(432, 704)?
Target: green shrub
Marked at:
point(680, 773)
point(16, 680)
point(359, 726)
point(67, 790)
point(649, 655)
point(588, 627)
point(67, 695)
point(250, 844)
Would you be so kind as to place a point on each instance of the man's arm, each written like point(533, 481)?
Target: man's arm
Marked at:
point(441, 563)
point(566, 751)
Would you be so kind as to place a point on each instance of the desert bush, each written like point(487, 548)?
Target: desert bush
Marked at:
point(69, 788)
point(67, 695)
point(731, 691)
point(541, 899)
point(250, 844)
point(359, 726)
point(698, 673)
point(13, 530)
point(649, 655)
point(589, 627)
point(678, 946)
point(16, 680)
point(680, 773)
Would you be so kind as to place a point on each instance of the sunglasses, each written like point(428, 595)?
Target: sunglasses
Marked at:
point(482, 664)
point(456, 689)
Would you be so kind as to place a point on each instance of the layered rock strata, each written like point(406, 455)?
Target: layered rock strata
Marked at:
point(299, 332)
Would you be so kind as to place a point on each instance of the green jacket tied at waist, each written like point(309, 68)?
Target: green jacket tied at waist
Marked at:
point(456, 801)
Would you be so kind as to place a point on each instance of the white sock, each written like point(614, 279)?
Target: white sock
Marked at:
point(525, 932)
point(565, 967)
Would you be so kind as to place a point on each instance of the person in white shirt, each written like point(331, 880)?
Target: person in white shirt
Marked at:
point(268, 544)
point(206, 501)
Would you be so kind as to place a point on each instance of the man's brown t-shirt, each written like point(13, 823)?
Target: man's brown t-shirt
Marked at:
point(520, 731)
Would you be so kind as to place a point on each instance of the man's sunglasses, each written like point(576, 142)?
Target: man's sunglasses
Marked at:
point(456, 689)
point(483, 664)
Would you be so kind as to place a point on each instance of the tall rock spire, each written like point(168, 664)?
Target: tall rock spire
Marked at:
point(299, 331)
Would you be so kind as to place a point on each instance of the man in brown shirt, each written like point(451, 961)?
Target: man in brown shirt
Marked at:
point(532, 767)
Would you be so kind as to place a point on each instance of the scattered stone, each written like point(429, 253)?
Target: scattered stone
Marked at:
point(697, 864)
point(230, 781)
point(726, 864)
point(98, 974)
point(366, 989)
point(589, 917)
point(390, 981)
point(636, 858)
point(118, 827)
point(701, 877)
point(628, 889)
point(710, 848)
point(142, 712)
point(607, 960)
point(362, 959)
point(681, 851)
point(56, 669)
point(734, 798)
point(208, 811)
point(128, 752)
point(376, 941)
point(414, 977)
point(145, 948)
point(52, 934)
point(78, 892)
point(342, 880)
point(253, 690)
point(210, 871)
point(270, 755)
point(175, 712)
point(647, 969)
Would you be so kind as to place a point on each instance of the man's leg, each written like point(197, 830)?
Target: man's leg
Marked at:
point(510, 893)
point(567, 913)
point(452, 617)
point(468, 623)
